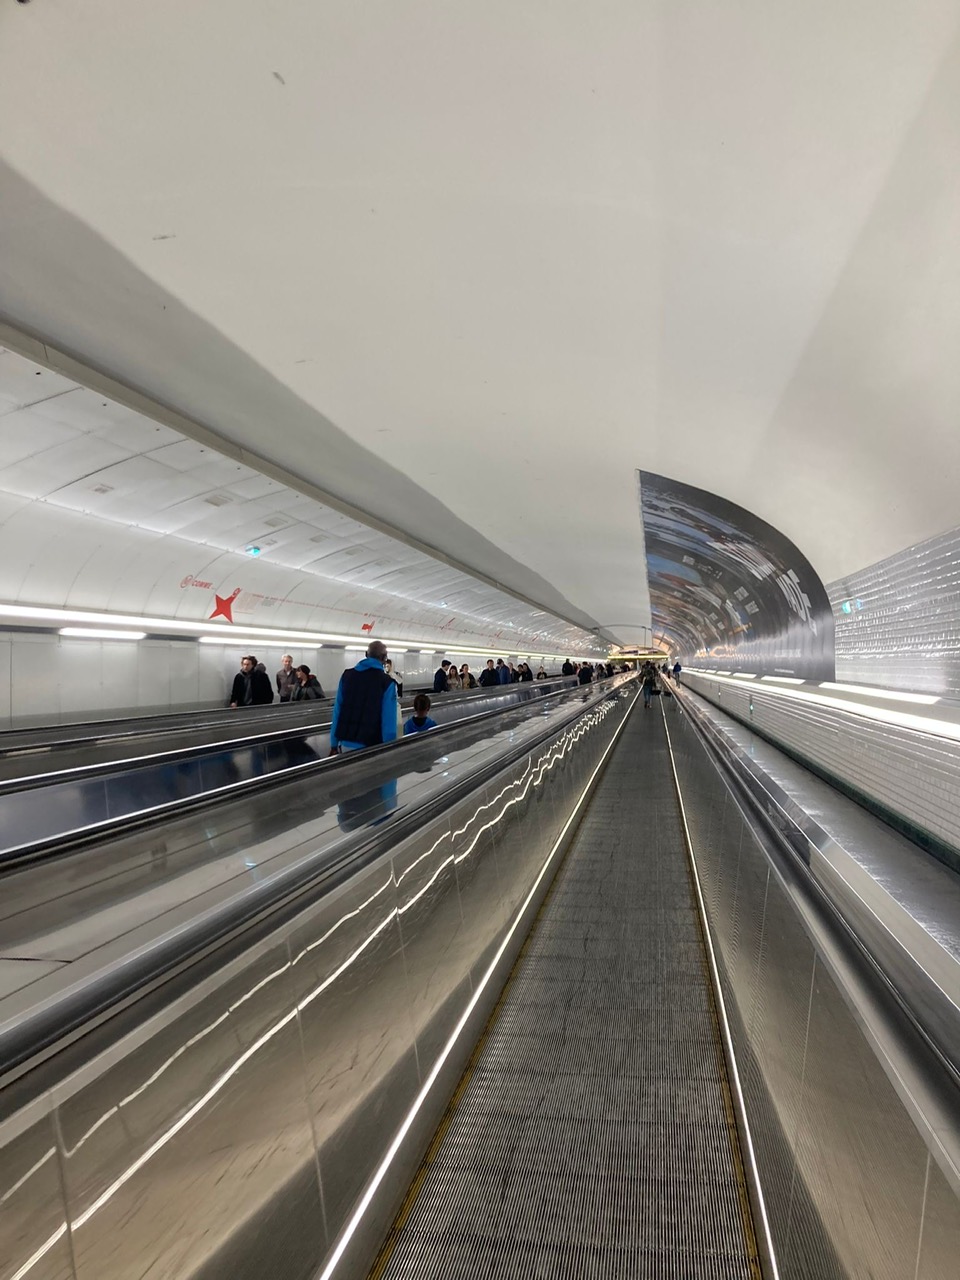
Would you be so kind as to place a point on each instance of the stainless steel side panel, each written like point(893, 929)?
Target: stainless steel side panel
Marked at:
point(239, 1132)
point(854, 1178)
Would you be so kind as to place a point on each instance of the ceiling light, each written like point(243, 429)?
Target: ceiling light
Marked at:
point(921, 699)
point(90, 633)
point(213, 632)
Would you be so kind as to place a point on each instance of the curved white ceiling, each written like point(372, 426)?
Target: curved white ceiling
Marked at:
point(508, 254)
point(105, 509)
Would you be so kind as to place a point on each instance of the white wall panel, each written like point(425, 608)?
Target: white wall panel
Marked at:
point(35, 676)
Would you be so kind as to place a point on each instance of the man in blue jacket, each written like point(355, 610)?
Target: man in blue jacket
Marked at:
point(365, 709)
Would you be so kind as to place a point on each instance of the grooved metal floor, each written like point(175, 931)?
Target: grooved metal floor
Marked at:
point(592, 1138)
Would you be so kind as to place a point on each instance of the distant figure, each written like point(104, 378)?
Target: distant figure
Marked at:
point(286, 678)
point(488, 676)
point(568, 669)
point(503, 672)
point(308, 686)
point(440, 681)
point(648, 678)
point(610, 671)
point(585, 674)
point(251, 687)
point(514, 673)
point(388, 668)
point(467, 681)
point(420, 720)
point(676, 672)
point(541, 674)
point(525, 672)
point(365, 708)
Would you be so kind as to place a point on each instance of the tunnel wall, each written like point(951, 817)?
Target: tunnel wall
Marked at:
point(898, 621)
point(728, 588)
point(50, 678)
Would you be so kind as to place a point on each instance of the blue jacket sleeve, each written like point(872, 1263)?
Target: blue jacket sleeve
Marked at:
point(334, 740)
point(388, 722)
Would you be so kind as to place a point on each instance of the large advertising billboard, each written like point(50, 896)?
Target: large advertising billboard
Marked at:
point(727, 590)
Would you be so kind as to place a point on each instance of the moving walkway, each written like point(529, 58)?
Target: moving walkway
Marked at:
point(696, 1069)
point(42, 811)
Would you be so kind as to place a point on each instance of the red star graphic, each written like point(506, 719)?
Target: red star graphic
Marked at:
point(224, 606)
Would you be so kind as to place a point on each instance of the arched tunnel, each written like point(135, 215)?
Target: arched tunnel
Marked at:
point(479, 640)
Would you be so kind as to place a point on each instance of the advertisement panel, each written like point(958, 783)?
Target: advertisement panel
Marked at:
point(727, 590)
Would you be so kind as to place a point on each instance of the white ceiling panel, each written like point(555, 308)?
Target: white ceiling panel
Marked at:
point(157, 532)
point(23, 383)
point(515, 253)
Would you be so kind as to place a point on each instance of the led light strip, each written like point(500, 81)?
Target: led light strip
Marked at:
point(214, 633)
point(884, 715)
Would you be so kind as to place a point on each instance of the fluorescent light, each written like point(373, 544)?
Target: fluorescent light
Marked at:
point(744, 675)
point(235, 633)
point(783, 679)
point(905, 719)
point(89, 633)
point(921, 699)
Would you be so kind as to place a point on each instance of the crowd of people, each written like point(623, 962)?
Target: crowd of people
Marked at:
point(447, 677)
point(252, 687)
point(366, 705)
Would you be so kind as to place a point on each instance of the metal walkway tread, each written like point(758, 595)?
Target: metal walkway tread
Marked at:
point(592, 1138)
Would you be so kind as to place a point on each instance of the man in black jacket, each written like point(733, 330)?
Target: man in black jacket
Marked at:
point(488, 676)
point(251, 688)
point(440, 677)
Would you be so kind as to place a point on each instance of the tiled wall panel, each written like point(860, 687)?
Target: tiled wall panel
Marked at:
point(914, 775)
point(898, 621)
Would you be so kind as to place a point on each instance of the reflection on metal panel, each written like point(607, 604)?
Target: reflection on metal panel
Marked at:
point(244, 1130)
point(850, 1186)
point(898, 621)
point(726, 587)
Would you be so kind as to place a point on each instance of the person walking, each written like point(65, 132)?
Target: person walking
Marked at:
point(648, 683)
point(503, 672)
point(676, 672)
point(287, 682)
point(251, 688)
point(440, 682)
point(308, 687)
point(365, 708)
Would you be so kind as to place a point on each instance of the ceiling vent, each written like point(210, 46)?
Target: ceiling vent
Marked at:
point(320, 537)
point(103, 488)
point(218, 500)
point(277, 522)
